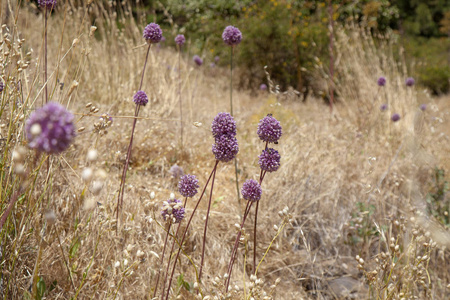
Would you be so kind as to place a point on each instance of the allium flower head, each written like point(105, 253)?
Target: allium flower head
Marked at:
point(263, 87)
point(140, 98)
point(180, 40)
point(231, 36)
point(176, 171)
point(269, 129)
point(188, 185)
point(50, 128)
point(198, 60)
point(383, 107)
point(216, 59)
point(409, 81)
point(381, 81)
point(251, 190)
point(269, 160)
point(152, 33)
point(2, 86)
point(47, 4)
point(173, 208)
point(223, 124)
point(395, 117)
point(423, 107)
point(225, 148)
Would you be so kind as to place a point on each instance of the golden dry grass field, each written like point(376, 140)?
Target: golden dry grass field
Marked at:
point(354, 182)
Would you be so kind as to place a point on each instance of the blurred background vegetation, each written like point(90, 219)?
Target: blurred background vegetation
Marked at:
point(292, 36)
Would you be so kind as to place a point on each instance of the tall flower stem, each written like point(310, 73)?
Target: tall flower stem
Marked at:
point(127, 160)
point(231, 112)
point(186, 229)
point(162, 256)
point(179, 96)
point(206, 226)
point(45, 55)
point(256, 218)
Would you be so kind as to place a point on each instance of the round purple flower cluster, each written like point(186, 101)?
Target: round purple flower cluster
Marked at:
point(48, 4)
point(223, 124)
point(140, 98)
point(383, 107)
point(231, 36)
point(409, 81)
point(173, 208)
point(180, 40)
point(263, 87)
point(381, 81)
point(50, 128)
point(269, 160)
point(216, 59)
point(395, 117)
point(152, 33)
point(188, 185)
point(251, 190)
point(176, 171)
point(226, 148)
point(269, 129)
point(198, 60)
point(2, 86)
point(423, 107)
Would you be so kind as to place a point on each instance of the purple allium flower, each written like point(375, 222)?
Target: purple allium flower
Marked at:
point(269, 160)
point(48, 4)
point(225, 148)
point(198, 60)
point(269, 129)
point(176, 171)
point(263, 87)
point(140, 98)
point(216, 59)
point(50, 128)
point(223, 124)
point(231, 36)
point(409, 81)
point(383, 107)
point(173, 208)
point(180, 40)
point(381, 81)
point(212, 65)
point(152, 33)
point(423, 107)
point(395, 117)
point(188, 185)
point(2, 86)
point(251, 190)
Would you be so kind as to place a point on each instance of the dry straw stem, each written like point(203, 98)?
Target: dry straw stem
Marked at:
point(327, 167)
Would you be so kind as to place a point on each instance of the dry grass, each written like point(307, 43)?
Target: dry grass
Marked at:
point(329, 164)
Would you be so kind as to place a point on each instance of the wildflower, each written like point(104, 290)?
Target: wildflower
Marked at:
point(383, 107)
point(231, 36)
point(50, 128)
point(423, 107)
point(176, 171)
point(188, 185)
point(223, 124)
point(263, 87)
point(409, 81)
point(381, 81)
point(251, 190)
point(2, 86)
point(395, 117)
point(47, 4)
point(180, 40)
point(173, 208)
point(269, 160)
point(225, 148)
point(152, 33)
point(216, 59)
point(198, 60)
point(269, 129)
point(212, 65)
point(140, 98)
